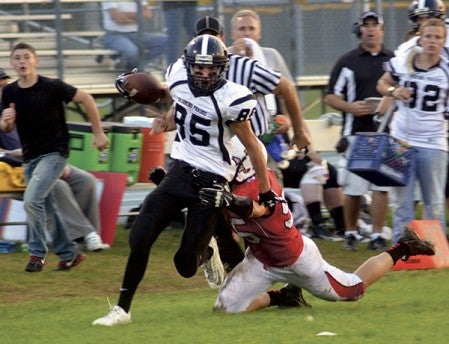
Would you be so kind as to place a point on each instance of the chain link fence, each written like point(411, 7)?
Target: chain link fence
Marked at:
point(310, 34)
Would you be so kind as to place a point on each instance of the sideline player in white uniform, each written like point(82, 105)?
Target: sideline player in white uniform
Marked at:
point(418, 12)
point(209, 111)
point(420, 89)
point(277, 252)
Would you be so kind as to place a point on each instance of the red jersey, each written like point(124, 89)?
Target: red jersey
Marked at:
point(272, 240)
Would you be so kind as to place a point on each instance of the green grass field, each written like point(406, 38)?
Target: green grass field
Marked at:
point(58, 307)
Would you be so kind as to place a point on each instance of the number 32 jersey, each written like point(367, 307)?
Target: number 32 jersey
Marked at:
point(421, 121)
point(203, 137)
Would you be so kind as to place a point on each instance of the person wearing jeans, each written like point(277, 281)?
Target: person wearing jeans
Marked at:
point(35, 105)
point(120, 20)
point(41, 175)
point(432, 181)
point(419, 84)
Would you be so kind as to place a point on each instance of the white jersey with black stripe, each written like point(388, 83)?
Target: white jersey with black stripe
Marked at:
point(421, 121)
point(259, 79)
point(203, 137)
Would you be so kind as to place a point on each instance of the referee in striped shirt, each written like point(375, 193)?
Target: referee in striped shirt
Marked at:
point(261, 81)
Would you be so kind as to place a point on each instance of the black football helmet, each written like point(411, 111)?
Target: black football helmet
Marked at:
point(205, 50)
point(425, 8)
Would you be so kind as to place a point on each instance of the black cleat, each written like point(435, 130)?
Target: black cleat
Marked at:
point(416, 246)
point(291, 296)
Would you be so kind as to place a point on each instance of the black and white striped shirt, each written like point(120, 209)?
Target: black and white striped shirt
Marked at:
point(354, 77)
point(260, 80)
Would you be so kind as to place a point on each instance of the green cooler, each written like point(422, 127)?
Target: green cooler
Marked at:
point(81, 155)
point(126, 150)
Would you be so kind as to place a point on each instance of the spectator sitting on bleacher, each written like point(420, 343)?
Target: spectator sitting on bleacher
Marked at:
point(120, 21)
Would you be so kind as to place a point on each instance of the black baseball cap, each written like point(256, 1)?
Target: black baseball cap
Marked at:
point(208, 24)
point(3, 74)
point(370, 15)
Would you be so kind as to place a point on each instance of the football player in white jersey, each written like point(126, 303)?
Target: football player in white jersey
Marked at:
point(261, 81)
point(420, 89)
point(418, 12)
point(277, 252)
point(209, 111)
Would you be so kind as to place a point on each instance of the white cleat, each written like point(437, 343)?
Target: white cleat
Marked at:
point(213, 268)
point(116, 316)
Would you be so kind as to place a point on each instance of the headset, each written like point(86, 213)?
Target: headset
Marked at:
point(356, 29)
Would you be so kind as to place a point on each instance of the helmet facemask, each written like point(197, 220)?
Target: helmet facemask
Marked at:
point(207, 51)
point(204, 83)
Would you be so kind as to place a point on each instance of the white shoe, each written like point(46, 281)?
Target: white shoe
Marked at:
point(116, 316)
point(93, 242)
point(213, 268)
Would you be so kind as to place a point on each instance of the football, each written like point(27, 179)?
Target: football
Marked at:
point(141, 88)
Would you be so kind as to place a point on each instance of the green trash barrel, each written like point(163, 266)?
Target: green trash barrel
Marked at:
point(81, 155)
point(126, 149)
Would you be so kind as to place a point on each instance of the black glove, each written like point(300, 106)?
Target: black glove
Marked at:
point(156, 174)
point(216, 196)
point(269, 199)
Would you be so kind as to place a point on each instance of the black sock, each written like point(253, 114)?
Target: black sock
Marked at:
point(337, 216)
point(275, 296)
point(314, 210)
point(125, 299)
point(397, 251)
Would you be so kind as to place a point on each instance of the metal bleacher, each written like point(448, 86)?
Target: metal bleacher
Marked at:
point(67, 35)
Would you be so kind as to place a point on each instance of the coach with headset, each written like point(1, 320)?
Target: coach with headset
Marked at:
point(353, 79)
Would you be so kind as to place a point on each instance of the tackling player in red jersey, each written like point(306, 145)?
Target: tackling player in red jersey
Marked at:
point(277, 252)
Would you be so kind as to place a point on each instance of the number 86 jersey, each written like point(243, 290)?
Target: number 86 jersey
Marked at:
point(203, 137)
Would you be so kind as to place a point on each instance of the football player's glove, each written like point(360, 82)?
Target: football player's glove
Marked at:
point(269, 199)
point(217, 196)
point(156, 174)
